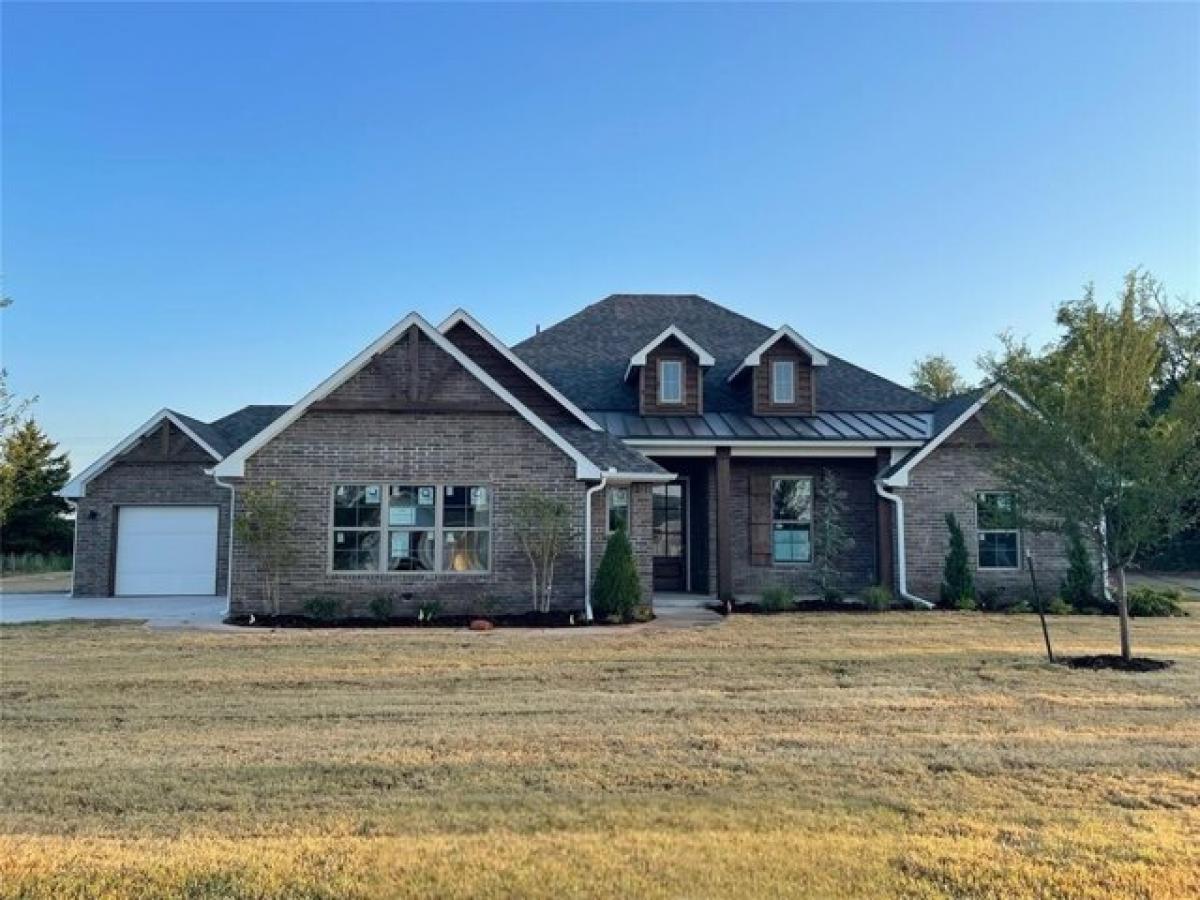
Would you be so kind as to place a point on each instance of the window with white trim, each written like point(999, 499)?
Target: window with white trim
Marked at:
point(618, 509)
point(997, 523)
point(783, 381)
point(411, 528)
point(791, 520)
point(670, 381)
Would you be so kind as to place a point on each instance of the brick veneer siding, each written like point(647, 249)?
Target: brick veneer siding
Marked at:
point(857, 478)
point(464, 447)
point(143, 477)
point(947, 481)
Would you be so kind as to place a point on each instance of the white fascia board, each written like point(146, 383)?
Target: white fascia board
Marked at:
point(899, 478)
point(77, 486)
point(461, 315)
point(234, 465)
point(755, 357)
point(639, 477)
point(639, 358)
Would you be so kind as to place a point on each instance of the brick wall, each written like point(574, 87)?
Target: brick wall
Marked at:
point(143, 476)
point(857, 478)
point(947, 481)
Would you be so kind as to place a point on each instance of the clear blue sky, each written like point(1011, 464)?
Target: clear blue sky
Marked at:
point(207, 206)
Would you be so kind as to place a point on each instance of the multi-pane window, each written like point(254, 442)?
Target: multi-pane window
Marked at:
point(998, 526)
point(356, 518)
point(466, 521)
point(618, 509)
point(424, 528)
point(412, 533)
point(783, 381)
point(791, 520)
point(670, 381)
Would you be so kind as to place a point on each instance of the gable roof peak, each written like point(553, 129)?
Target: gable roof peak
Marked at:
point(784, 332)
point(703, 357)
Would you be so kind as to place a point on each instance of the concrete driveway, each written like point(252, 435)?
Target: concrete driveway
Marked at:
point(168, 611)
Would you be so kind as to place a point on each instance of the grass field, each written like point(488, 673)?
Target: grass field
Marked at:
point(907, 754)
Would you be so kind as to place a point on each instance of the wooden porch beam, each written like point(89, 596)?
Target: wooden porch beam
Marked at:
point(724, 547)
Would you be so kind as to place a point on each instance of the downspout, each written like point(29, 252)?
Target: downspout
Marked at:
point(587, 545)
point(901, 561)
point(229, 561)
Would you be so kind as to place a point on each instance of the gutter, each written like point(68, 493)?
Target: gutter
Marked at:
point(901, 560)
point(587, 543)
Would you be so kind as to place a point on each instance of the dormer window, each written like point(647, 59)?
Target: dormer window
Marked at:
point(783, 381)
point(670, 381)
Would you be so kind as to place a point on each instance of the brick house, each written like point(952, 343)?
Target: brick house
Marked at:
point(702, 432)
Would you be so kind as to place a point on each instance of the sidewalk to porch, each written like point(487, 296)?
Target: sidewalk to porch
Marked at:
point(680, 610)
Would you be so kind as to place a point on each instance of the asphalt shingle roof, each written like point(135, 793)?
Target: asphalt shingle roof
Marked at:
point(585, 356)
point(229, 432)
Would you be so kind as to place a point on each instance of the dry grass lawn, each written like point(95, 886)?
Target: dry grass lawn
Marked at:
point(911, 755)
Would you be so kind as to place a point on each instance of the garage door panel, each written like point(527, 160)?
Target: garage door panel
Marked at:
point(166, 550)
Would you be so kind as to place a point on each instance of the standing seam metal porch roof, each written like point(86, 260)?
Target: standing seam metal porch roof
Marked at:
point(725, 426)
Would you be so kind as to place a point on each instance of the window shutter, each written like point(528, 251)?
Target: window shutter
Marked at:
point(760, 519)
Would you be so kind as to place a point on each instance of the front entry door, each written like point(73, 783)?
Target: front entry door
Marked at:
point(670, 537)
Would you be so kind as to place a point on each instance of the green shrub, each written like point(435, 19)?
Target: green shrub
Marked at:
point(381, 607)
point(776, 597)
point(958, 583)
point(34, 563)
point(966, 604)
point(642, 613)
point(877, 598)
point(1079, 584)
point(1146, 602)
point(617, 591)
point(1021, 606)
point(323, 609)
point(428, 611)
point(1059, 607)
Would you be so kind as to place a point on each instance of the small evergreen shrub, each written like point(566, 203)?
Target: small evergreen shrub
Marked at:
point(617, 591)
point(877, 598)
point(1079, 584)
point(1059, 607)
point(776, 597)
point(381, 607)
point(323, 609)
point(1146, 602)
point(958, 583)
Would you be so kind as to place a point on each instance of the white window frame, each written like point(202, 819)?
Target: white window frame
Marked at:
point(384, 529)
point(778, 366)
point(662, 382)
point(608, 508)
point(811, 505)
point(980, 532)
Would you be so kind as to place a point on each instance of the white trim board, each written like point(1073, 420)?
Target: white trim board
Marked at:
point(234, 465)
point(77, 486)
point(639, 358)
point(461, 315)
point(899, 478)
point(786, 331)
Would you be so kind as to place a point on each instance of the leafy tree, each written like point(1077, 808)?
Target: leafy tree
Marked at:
point(542, 524)
point(617, 591)
point(831, 537)
point(265, 523)
point(1096, 449)
point(1079, 584)
point(31, 516)
point(936, 377)
point(958, 582)
point(12, 409)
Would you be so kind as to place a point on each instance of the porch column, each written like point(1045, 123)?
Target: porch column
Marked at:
point(724, 548)
point(885, 565)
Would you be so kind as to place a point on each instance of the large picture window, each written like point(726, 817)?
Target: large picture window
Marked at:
point(411, 528)
point(670, 381)
point(791, 520)
point(997, 523)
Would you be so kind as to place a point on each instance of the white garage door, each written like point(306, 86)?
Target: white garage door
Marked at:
point(166, 550)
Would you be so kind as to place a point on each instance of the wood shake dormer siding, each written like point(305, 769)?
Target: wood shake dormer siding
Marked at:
point(692, 396)
point(804, 382)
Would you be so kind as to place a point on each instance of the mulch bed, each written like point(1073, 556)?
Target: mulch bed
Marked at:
point(1113, 661)
point(553, 619)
